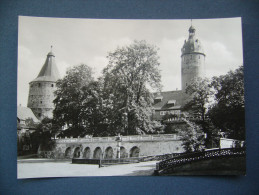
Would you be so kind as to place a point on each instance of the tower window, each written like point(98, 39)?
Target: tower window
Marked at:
point(52, 85)
point(41, 102)
point(39, 84)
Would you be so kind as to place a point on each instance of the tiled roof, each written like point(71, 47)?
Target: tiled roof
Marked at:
point(169, 96)
point(24, 113)
point(49, 71)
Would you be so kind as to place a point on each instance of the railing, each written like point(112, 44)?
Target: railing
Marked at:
point(198, 156)
point(123, 138)
point(182, 119)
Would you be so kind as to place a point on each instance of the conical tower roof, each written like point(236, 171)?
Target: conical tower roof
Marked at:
point(49, 71)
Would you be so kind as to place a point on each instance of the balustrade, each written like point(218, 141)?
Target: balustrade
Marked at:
point(186, 158)
point(124, 138)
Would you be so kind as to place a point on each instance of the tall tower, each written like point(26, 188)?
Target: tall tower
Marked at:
point(193, 59)
point(41, 92)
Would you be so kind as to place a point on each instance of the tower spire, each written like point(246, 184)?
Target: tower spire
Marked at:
point(51, 48)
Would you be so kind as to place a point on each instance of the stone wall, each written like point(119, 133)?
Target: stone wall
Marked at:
point(107, 147)
point(40, 100)
point(193, 65)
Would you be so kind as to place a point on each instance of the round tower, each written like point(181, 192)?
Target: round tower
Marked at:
point(193, 59)
point(41, 92)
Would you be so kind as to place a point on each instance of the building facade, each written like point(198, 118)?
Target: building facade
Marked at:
point(41, 92)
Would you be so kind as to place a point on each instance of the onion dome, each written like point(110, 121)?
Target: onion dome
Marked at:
point(192, 45)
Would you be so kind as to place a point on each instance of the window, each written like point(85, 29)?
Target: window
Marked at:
point(39, 84)
point(52, 85)
point(162, 112)
point(171, 102)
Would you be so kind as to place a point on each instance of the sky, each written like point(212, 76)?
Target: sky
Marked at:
point(88, 41)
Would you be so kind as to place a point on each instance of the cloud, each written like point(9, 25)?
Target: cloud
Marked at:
point(219, 59)
point(28, 68)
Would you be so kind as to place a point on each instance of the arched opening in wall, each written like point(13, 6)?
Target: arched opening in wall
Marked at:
point(77, 152)
point(108, 153)
point(68, 152)
point(123, 153)
point(134, 152)
point(87, 153)
point(97, 153)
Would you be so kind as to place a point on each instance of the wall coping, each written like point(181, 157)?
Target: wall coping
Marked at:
point(160, 137)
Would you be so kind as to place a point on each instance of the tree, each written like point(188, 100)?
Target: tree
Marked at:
point(200, 96)
point(130, 72)
point(192, 137)
point(76, 100)
point(200, 92)
point(228, 112)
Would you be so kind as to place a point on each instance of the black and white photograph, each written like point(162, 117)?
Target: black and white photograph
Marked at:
point(117, 97)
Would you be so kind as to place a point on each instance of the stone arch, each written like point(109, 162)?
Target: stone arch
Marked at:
point(123, 152)
point(77, 152)
point(97, 153)
point(134, 151)
point(87, 153)
point(108, 153)
point(68, 152)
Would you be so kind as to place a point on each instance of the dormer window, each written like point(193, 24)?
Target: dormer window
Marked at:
point(158, 99)
point(171, 102)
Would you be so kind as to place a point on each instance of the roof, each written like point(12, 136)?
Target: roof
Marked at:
point(49, 71)
point(24, 113)
point(175, 97)
point(192, 45)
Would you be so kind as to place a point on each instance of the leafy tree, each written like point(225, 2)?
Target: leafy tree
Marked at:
point(200, 93)
point(42, 136)
point(228, 112)
point(200, 96)
point(76, 100)
point(192, 137)
point(131, 71)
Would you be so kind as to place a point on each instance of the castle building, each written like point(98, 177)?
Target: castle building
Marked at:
point(41, 92)
point(192, 66)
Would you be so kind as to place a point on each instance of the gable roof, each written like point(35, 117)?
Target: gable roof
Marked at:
point(175, 97)
point(24, 113)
